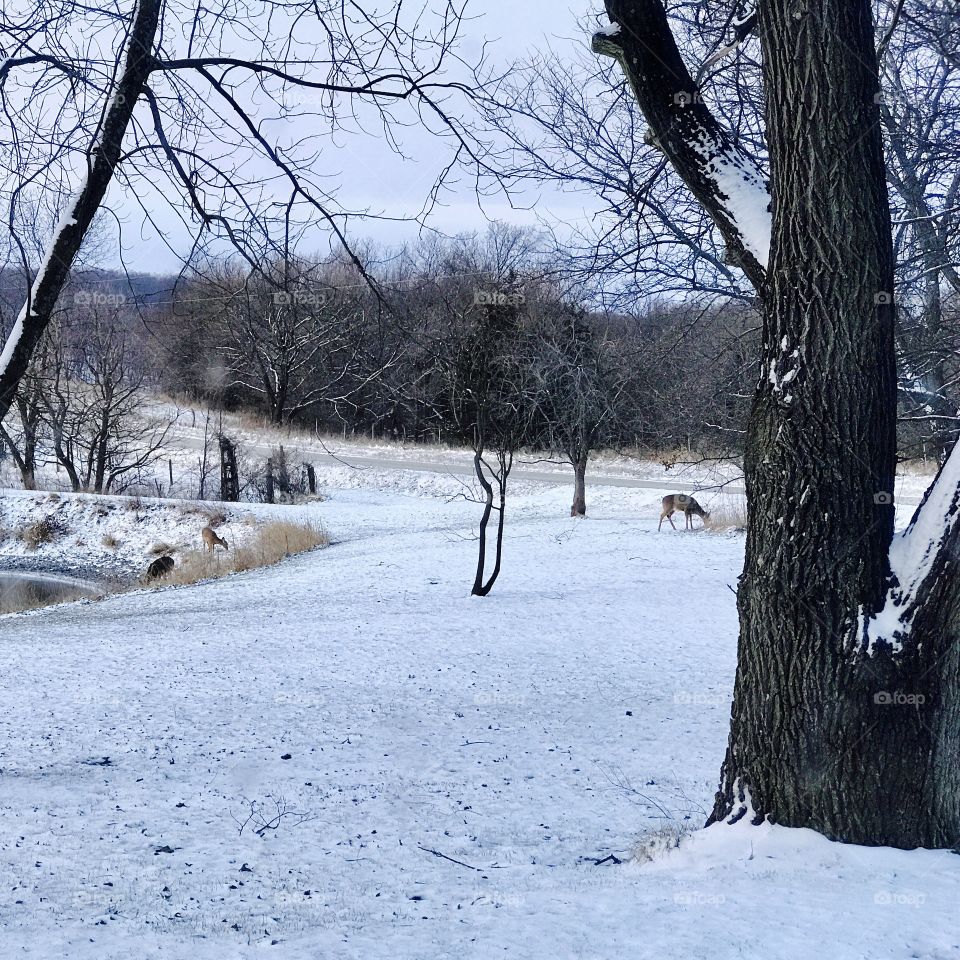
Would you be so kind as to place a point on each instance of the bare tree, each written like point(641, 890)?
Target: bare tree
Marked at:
point(920, 112)
point(576, 123)
point(91, 392)
point(493, 409)
point(23, 440)
point(174, 109)
point(580, 390)
point(291, 335)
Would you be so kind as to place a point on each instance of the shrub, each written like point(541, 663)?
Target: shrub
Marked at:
point(161, 549)
point(216, 518)
point(730, 516)
point(39, 532)
point(658, 842)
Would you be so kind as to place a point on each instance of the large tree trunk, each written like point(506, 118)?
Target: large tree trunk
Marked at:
point(844, 717)
point(808, 739)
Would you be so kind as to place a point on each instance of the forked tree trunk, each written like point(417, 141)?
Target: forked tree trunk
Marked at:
point(25, 460)
point(858, 740)
point(482, 587)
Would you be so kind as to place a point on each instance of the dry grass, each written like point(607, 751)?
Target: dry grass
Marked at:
point(161, 549)
point(39, 532)
point(110, 541)
point(730, 516)
point(658, 842)
point(271, 543)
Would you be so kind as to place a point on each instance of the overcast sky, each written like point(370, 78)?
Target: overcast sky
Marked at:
point(367, 173)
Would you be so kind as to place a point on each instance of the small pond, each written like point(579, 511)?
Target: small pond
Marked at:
point(28, 590)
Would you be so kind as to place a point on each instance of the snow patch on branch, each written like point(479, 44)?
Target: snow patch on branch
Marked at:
point(748, 201)
point(744, 193)
point(610, 30)
point(914, 385)
point(913, 554)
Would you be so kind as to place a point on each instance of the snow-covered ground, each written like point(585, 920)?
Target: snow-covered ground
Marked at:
point(435, 775)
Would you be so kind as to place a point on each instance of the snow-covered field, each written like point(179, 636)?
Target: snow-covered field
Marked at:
point(433, 776)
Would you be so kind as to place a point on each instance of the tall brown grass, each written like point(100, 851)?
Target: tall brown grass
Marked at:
point(729, 516)
point(270, 543)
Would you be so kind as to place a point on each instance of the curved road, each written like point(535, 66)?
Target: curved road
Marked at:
point(465, 469)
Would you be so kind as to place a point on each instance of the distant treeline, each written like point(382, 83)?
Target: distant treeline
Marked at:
point(367, 346)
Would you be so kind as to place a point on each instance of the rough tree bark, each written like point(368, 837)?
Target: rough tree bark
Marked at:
point(844, 717)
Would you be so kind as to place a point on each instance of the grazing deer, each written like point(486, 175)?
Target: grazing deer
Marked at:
point(211, 540)
point(160, 568)
point(681, 501)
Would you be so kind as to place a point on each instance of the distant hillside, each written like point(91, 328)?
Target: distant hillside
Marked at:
point(142, 288)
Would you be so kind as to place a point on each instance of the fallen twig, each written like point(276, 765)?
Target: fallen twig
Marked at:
point(443, 856)
point(610, 857)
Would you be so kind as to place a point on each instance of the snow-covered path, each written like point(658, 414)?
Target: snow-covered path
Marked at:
point(526, 735)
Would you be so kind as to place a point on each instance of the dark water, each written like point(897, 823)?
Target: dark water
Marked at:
point(22, 591)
